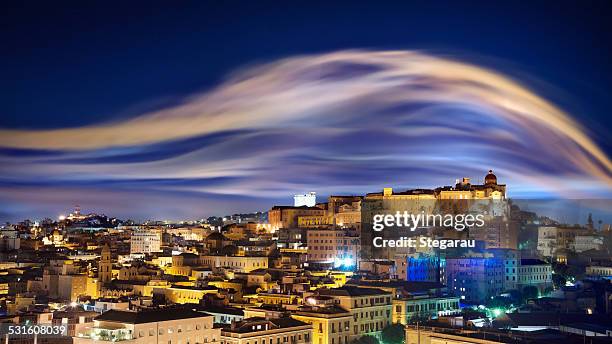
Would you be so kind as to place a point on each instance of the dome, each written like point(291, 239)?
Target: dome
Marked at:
point(490, 178)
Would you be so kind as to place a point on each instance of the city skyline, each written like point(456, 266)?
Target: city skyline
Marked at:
point(564, 211)
point(272, 172)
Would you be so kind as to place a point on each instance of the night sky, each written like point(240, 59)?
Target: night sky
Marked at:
point(224, 107)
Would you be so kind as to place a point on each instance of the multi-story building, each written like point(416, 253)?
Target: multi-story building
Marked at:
point(259, 330)
point(588, 242)
point(243, 264)
point(71, 287)
point(552, 239)
point(331, 324)
point(287, 216)
point(65, 280)
point(275, 298)
point(335, 203)
point(492, 271)
point(9, 239)
point(292, 238)
point(602, 271)
point(534, 272)
point(475, 276)
point(498, 232)
point(190, 233)
point(420, 267)
point(104, 304)
point(308, 199)
point(432, 335)
point(488, 199)
point(183, 294)
point(423, 307)
point(77, 320)
point(152, 326)
point(145, 241)
point(348, 215)
point(412, 300)
point(225, 315)
point(340, 211)
point(370, 308)
point(337, 247)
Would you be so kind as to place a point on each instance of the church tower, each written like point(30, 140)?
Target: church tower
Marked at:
point(105, 266)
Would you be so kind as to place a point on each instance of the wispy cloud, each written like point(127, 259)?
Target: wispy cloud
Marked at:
point(349, 121)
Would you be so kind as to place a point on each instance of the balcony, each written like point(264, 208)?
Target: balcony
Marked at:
point(110, 335)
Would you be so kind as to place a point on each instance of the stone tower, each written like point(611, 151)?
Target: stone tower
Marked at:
point(105, 266)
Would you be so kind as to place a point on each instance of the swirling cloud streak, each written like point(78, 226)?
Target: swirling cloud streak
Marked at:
point(349, 121)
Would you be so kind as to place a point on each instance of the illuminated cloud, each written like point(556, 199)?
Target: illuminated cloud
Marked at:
point(344, 122)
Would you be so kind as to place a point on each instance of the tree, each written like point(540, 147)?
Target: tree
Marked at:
point(516, 296)
point(366, 340)
point(530, 292)
point(558, 280)
point(393, 334)
point(499, 302)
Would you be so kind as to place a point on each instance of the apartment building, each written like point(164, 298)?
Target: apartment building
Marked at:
point(259, 330)
point(370, 308)
point(423, 307)
point(337, 247)
point(475, 277)
point(331, 324)
point(241, 264)
point(168, 326)
point(552, 239)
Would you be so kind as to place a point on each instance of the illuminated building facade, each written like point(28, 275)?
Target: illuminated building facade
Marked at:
point(308, 199)
point(476, 276)
point(244, 264)
point(423, 307)
point(488, 199)
point(330, 324)
point(145, 241)
point(337, 247)
point(552, 239)
point(152, 326)
point(370, 308)
point(259, 330)
point(287, 217)
point(422, 268)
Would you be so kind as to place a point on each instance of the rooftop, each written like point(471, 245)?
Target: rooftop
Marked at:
point(408, 286)
point(149, 316)
point(531, 261)
point(352, 291)
point(250, 325)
